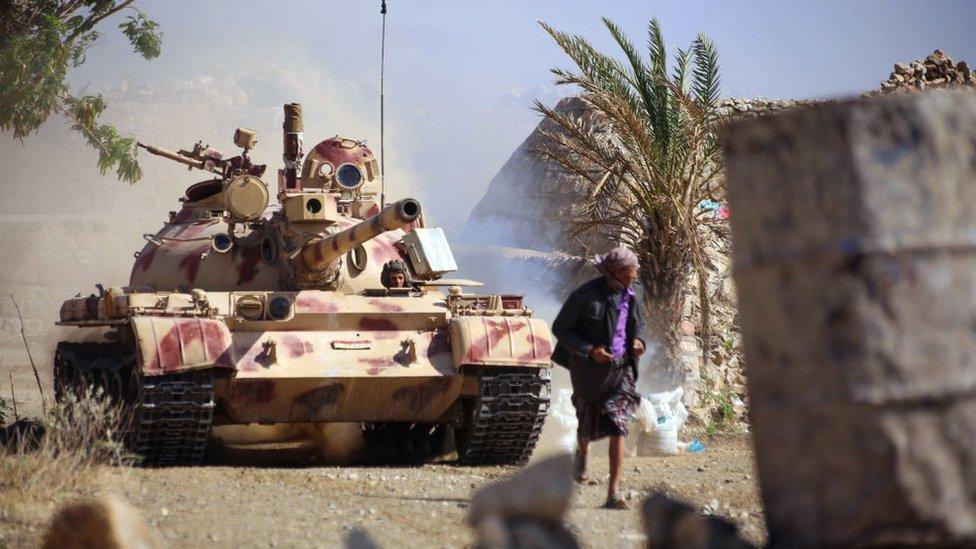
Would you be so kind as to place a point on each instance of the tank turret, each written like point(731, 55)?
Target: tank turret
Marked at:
point(319, 254)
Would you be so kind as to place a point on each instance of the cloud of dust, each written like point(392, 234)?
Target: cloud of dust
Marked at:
point(538, 277)
point(545, 279)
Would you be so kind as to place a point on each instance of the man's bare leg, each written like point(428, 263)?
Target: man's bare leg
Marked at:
point(582, 449)
point(616, 463)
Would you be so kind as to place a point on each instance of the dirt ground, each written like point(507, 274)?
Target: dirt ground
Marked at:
point(268, 499)
point(263, 496)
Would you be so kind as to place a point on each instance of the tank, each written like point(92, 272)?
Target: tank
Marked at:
point(239, 311)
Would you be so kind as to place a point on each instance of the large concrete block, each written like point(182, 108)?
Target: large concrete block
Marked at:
point(854, 249)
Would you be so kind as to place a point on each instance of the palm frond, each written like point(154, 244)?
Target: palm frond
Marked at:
point(646, 153)
point(680, 75)
point(660, 106)
point(705, 82)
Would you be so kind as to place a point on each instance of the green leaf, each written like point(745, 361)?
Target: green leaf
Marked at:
point(41, 42)
point(144, 34)
point(114, 152)
point(705, 83)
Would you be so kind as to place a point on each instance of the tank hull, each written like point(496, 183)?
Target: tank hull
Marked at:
point(420, 399)
point(376, 359)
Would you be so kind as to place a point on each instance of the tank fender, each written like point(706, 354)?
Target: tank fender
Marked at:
point(501, 341)
point(168, 345)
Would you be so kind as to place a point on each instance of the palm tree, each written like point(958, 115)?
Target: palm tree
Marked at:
point(648, 162)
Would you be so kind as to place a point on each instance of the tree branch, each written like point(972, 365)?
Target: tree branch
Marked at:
point(30, 356)
point(95, 19)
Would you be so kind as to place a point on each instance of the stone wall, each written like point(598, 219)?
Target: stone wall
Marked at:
point(714, 381)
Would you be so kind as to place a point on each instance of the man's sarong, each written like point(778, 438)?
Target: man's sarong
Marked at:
point(610, 416)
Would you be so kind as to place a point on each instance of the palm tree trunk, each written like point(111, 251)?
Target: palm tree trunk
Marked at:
point(665, 271)
point(665, 369)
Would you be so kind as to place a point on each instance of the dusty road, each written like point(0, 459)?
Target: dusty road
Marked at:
point(253, 503)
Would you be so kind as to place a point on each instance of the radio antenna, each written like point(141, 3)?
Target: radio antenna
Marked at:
point(382, 73)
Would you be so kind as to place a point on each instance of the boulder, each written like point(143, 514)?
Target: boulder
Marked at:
point(674, 524)
point(107, 522)
point(526, 510)
point(541, 490)
point(853, 238)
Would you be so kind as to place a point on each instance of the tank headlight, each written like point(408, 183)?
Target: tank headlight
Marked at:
point(325, 170)
point(349, 177)
point(221, 243)
point(279, 308)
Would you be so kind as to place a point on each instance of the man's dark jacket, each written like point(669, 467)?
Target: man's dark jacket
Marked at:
point(587, 319)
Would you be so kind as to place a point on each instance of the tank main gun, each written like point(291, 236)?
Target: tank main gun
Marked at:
point(319, 254)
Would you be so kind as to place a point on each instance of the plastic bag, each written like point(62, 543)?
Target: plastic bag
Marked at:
point(646, 416)
point(670, 414)
point(563, 415)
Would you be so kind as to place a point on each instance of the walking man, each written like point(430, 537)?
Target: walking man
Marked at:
point(599, 331)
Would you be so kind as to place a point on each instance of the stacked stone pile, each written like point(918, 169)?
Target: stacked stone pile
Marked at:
point(938, 70)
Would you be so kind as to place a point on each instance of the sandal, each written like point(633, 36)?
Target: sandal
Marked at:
point(616, 502)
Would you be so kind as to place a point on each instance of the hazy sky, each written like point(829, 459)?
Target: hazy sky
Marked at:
point(461, 76)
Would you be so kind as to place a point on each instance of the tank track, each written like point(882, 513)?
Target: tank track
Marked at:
point(505, 421)
point(171, 422)
point(167, 418)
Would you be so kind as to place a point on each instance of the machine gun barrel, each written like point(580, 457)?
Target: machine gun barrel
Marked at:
point(210, 165)
point(319, 254)
point(165, 153)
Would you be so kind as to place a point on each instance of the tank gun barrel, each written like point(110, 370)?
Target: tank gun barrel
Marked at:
point(320, 253)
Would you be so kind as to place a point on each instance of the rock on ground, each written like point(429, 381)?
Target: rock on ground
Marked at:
point(107, 522)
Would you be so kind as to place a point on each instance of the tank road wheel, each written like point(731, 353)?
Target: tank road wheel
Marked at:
point(398, 442)
point(503, 423)
point(166, 419)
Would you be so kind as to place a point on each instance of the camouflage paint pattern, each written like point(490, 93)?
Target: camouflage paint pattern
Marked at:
point(184, 258)
point(346, 349)
point(335, 152)
point(337, 357)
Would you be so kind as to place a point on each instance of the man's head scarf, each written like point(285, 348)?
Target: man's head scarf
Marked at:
point(618, 258)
